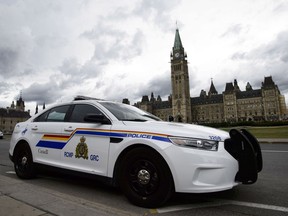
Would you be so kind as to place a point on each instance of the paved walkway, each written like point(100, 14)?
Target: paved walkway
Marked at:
point(22, 198)
point(11, 204)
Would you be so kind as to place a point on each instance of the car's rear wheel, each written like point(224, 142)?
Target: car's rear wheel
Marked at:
point(23, 162)
point(145, 178)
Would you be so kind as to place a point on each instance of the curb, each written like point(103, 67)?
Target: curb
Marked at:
point(273, 141)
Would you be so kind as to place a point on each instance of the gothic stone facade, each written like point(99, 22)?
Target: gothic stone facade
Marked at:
point(12, 115)
point(232, 105)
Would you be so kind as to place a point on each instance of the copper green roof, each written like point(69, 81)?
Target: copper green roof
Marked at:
point(177, 41)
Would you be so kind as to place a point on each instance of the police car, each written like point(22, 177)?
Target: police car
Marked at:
point(146, 157)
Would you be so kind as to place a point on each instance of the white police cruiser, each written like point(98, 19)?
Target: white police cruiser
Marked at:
point(147, 158)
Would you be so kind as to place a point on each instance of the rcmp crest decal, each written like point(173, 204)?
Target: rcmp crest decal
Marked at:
point(82, 149)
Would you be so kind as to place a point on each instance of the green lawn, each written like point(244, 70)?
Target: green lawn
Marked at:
point(267, 132)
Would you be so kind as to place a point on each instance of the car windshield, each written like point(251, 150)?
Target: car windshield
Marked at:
point(124, 112)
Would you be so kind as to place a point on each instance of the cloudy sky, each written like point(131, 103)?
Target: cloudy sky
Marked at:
point(54, 50)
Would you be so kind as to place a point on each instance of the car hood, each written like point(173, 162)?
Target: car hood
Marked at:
point(178, 129)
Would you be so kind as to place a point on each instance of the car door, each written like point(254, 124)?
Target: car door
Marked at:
point(88, 145)
point(47, 138)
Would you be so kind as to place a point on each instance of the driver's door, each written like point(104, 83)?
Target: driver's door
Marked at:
point(87, 148)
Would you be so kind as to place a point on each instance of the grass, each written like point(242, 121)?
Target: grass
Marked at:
point(267, 132)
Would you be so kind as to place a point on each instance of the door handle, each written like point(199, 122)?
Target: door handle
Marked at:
point(68, 129)
point(34, 128)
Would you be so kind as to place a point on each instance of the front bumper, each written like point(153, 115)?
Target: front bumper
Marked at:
point(201, 171)
point(238, 160)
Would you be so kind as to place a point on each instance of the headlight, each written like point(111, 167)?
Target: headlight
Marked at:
point(210, 145)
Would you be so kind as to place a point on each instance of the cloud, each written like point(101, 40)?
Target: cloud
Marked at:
point(159, 85)
point(282, 7)
point(8, 60)
point(234, 29)
point(158, 12)
point(270, 59)
point(43, 46)
point(48, 92)
point(115, 49)
point(239, 56)
point(252, 65)
point(4, 88)
point(277, 50)
point(272, 52)
point(15, 49)
point(111, 43)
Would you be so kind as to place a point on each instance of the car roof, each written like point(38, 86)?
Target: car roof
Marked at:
point(77, 100)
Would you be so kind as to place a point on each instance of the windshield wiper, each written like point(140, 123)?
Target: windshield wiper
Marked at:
point(138, 120)
point(152, 117)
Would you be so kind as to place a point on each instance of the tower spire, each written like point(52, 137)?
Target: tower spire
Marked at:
point(212, 90)
point(178, 52)
point(177, 42)
point(36, 109)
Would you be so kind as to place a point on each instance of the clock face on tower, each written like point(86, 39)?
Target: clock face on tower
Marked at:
point(177, 54)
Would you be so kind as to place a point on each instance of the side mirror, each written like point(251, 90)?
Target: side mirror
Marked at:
point(97, 118)
point(171, 118)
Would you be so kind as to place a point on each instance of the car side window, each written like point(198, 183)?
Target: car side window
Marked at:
point(42, 117)
point(56, 114)
point(81, 110)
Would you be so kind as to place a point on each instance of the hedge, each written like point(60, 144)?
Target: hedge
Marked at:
point(246, 123)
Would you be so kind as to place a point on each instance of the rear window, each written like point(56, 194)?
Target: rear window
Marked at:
point(56, 114)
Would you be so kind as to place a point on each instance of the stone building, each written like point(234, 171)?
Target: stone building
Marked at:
point(12, 115)
point(232, 105)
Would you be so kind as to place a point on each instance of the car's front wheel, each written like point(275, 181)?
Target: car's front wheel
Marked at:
point(23, 162)
point(145, 178)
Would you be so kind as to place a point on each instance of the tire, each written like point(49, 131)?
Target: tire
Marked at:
point(145, 178)
point(23, 162)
